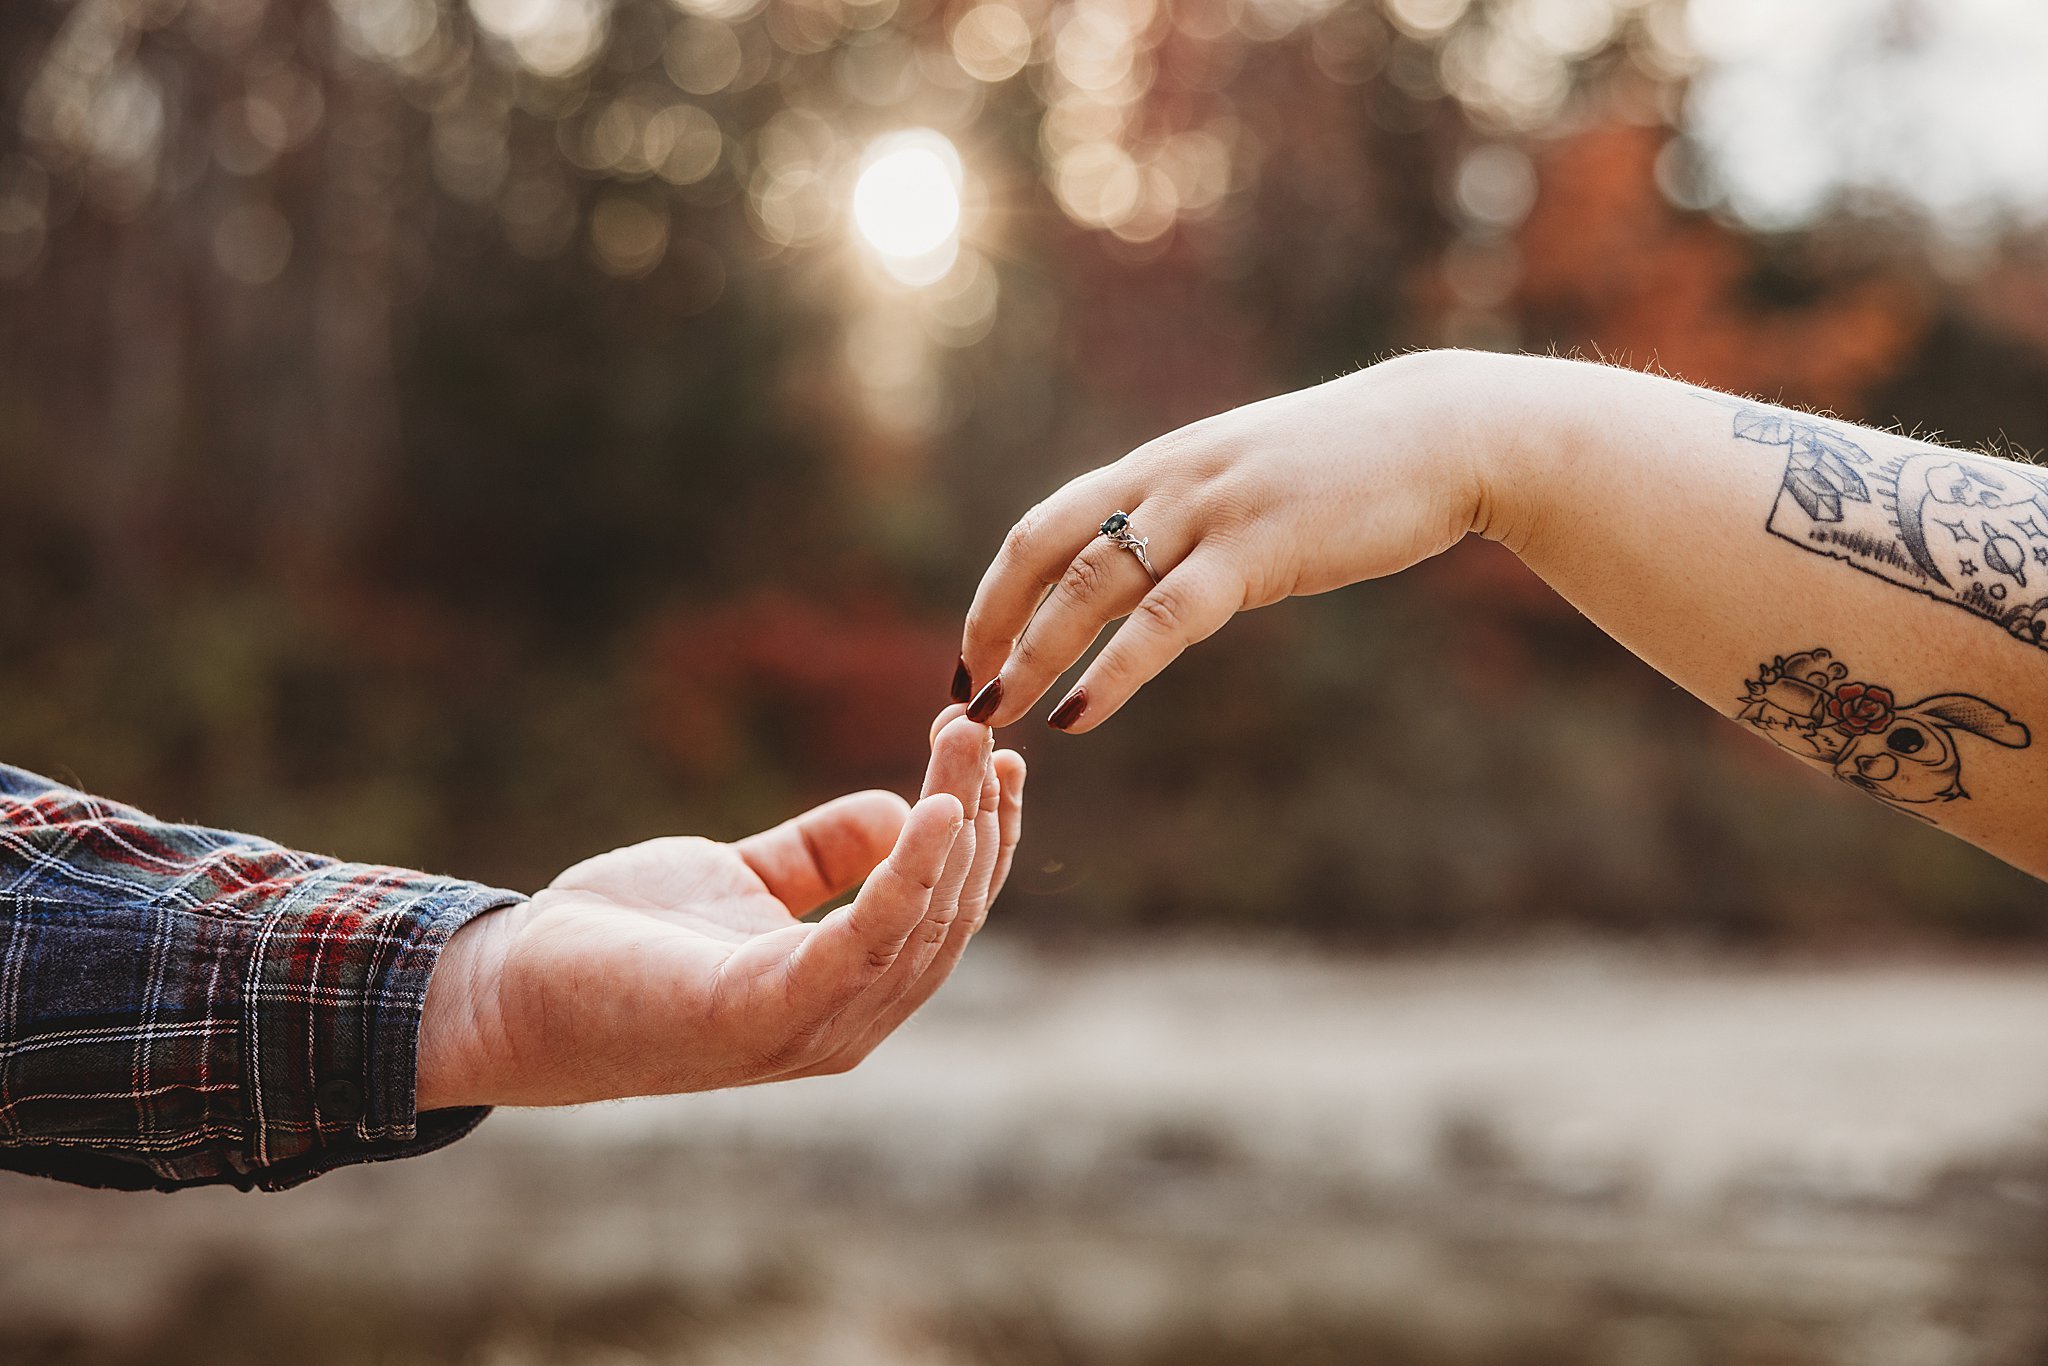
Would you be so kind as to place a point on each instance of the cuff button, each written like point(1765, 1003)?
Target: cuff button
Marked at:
point(339, 1101)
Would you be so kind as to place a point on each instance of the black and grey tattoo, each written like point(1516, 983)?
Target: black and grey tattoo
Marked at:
point(1897, 753)
point(1966, 530)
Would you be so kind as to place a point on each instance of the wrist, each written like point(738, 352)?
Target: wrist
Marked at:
point(1523, 413)
point(458, 1021)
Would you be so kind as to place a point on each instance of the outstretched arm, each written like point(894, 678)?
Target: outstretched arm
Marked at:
point(1877, 606)
point(184, 1006)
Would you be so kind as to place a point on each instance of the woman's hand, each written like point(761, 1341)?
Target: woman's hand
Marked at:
point(682, 964)
point(1350, 480)
point(1752, 554)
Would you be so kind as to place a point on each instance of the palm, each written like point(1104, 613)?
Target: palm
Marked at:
point(682, 936)
point(694, 887)
point(682, 964)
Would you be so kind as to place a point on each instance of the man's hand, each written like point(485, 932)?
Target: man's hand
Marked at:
point(681, 964)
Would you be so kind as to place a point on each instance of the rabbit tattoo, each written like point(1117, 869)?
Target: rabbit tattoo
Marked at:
point(1901, 753)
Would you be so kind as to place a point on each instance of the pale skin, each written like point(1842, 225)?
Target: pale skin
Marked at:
point(1638, 498)
point(683, 964)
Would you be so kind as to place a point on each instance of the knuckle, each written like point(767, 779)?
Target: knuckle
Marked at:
point(1172, 447)
point(1029, 655)
point(1193, 453)
point(1233, 509)
point(1165, 611)
point(1035, 658)
point(1023, 537)
point(910, 884)
point(1084, 580)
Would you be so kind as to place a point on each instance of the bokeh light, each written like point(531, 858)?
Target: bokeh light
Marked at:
point(907, 204)
point(550, 37)
point(992, 42)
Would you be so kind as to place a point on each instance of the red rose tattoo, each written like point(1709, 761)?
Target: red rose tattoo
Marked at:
point(1906, 754)
point(1861, 708)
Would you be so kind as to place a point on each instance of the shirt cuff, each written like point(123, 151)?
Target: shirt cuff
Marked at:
point(331, 1007)
point(186, 1006)
point(280, 1040)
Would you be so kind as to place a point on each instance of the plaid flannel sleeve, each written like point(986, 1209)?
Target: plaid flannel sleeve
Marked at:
point(182, 1006)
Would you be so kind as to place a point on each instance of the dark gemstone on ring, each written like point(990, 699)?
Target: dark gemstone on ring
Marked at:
point(1115, 524)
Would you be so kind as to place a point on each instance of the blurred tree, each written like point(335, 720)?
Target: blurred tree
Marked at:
point(472, 434)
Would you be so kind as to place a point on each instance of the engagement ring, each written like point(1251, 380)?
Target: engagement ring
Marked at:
point(1117, 526)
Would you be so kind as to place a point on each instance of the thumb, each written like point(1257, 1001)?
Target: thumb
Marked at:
point(809, 859)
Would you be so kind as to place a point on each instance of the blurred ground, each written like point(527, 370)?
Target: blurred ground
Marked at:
point(1202, 1155)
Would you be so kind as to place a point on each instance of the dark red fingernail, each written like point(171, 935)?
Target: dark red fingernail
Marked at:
point(963, 681)
point(1069, 711)
point(986, 701)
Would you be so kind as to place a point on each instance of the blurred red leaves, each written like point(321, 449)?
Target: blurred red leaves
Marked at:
point(1609, 264)
point(853, 685)
point(2012, 298)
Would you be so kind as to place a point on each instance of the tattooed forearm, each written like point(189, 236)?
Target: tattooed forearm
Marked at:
point(1967, 530)
point(1909, 753)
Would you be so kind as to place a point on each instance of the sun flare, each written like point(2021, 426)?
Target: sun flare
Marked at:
point(907, 203)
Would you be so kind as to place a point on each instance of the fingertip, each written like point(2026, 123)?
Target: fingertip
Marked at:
point(988, 702)
point(958, 758)
point(879, 815)
point(963, 733)
point(1096, 714)
point(942, 807)
point(1103, 692)
point(929, 836)
point(880, 797)
point(921, 852)
point(946, 718)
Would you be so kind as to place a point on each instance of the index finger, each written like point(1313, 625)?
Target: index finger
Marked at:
point(1034, 554)
point(855, 946)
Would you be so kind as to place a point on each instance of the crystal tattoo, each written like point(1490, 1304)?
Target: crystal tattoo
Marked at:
point(1897, 753)
point(1968, 531)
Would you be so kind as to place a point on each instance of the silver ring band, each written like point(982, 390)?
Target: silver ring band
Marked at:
point(1117, 526)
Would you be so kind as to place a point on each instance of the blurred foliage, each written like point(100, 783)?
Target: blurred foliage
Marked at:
point(474, 435)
